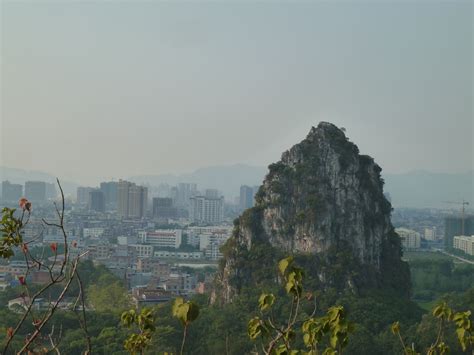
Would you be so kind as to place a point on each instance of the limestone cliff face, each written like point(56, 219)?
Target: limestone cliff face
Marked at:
point(324, 202)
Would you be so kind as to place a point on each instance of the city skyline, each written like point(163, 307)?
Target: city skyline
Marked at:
point(107, 100)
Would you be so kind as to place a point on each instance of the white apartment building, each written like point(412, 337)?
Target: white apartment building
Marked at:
point(464, 243)
point(411, 240)
point(162, 238)
point(206, 209)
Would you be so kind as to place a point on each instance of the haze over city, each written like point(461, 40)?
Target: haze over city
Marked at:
point(237, 177)
point(100, 90)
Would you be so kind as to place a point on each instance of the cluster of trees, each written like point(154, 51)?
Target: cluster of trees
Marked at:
point(223, 329)
point(433, 277)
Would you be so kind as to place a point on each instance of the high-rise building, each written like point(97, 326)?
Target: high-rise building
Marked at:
point(51, 192)
point(211, 193)
point(184, 192)
point(11, 192)
point(163, 208)
point(453, 227)
point(96, 201)
point(110, 192)
point(82, 195)
point(207, 210)
point(246, 197)
point(137, 201)
point(35, 191)
point(132, 200)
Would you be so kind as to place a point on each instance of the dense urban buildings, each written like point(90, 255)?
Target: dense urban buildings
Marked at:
point(132, 200)
point(11, 193)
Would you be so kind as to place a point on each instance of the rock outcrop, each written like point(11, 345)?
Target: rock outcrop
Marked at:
point(324, 203)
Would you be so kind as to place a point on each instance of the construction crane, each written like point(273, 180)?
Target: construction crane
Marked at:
point(463, 204)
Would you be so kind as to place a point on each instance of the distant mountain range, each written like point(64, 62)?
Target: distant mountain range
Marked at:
point(417, 189)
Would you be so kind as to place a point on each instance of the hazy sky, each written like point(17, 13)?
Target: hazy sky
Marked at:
point(94, 90)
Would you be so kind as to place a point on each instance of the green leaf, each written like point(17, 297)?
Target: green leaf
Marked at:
point(176, 304)
point(186, 312)
point(329, 351)
point(254, 328)
point(284, 263)
point(395, 328)
point(265, 301)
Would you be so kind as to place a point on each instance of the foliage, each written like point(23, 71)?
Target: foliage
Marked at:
point(145, 325)
point(186, 313)
point(108, 295)
point(144, 321)
point(10, 231)
point(444, 314)
point(279, 338)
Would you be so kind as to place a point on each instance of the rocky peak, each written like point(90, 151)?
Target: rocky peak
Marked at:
point(320, 200)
